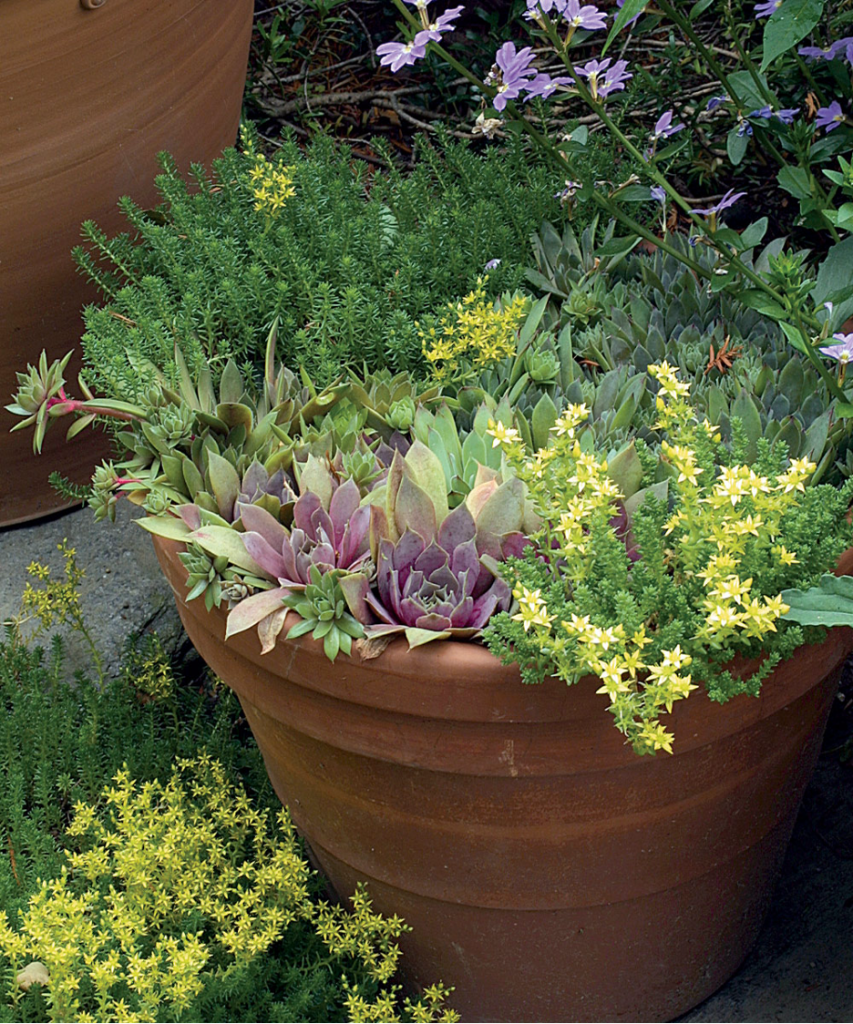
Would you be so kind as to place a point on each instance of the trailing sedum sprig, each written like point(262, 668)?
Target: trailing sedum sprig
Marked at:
point(667, 593)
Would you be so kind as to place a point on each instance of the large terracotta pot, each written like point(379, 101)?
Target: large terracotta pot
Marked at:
point(90, 92)
point(548, 872)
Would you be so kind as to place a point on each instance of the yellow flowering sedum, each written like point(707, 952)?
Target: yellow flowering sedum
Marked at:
point(176, 885)
point(721, 518)
point(271, 186)
point(472, 335)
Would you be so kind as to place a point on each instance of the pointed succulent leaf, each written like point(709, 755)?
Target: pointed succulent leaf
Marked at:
point(626, 470)
point(188, 392)
point(414, 510)
point(231, 383)
point(222, 540)
point(224, 482)
point(356, 587)
point(744, 409)
point(252, 609)
point(503, 512)
point(165, 526)
point(315, 477)
point(458, 528)
point(423, 467)
point(235, 414)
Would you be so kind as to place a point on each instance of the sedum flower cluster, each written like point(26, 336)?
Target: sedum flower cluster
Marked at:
point(658, 594)
point(177, 888)
point(473, 335)
point(271, 184)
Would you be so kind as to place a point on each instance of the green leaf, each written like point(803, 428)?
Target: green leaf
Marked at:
point(828, 604)
point(634, 194)
point(626, 470)
point(542, 420)
point(753, 234)
point(744, 409)
point(223, 541)
point(788, 25)
point(794, 336)
point(755, 298)
point(630, 10)
point(300, 629)
point(618, 246)
point(165, 526)
point(736, 146)
point(843, 218)
point(844, 410)
point(796, 181)
point(834, 277)
point(225, 482)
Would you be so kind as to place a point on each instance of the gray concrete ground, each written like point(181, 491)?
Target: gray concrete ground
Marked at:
point(802, 966)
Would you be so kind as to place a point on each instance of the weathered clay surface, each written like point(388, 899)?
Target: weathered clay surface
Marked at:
point(548, 873)
point(88, 97)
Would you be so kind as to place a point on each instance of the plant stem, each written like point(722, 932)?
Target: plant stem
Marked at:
point(809, 77)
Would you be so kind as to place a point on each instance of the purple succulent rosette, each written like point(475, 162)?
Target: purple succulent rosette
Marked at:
point(333, 538)
point(436, 572)
point(428, 587)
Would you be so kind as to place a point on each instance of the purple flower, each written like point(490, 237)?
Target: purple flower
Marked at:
point(568, 193)
point(658, 193)
point(843, 46)
point(588, 16)
point(765, 8)
point(843, 352)
point(743, 128)
point(511, 73)
point(492, 264)
point(543, 85)
point(840, 48)
point(715, 101)
point(443, 23)
point(534, 7)
point(400, 54)
point(829, 117)
point(812, 53)
point(664, 127)
point(729, 199)
point(604, 79)
point(786, 116)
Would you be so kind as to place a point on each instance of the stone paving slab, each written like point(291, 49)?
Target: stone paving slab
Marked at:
point(802, 966)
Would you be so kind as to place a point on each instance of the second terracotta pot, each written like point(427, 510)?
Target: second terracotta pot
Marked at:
point(548, 872)
point(89, 94)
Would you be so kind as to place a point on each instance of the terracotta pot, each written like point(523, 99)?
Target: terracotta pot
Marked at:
point(91, 91)
point(547, 871)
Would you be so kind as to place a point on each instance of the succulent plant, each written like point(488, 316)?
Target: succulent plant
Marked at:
point(462, 454)
point(431, 584)
point(579, 271)
point(175, 436)
point(739, 363)
point(329, 533)
point(388, 402)
point(435, 570)
point(215, 579)
point(324, 614)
